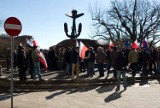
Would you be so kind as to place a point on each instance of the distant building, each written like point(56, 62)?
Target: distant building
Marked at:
point(5, 43)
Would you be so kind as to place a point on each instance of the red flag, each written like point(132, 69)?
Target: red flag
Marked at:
point(82, 50)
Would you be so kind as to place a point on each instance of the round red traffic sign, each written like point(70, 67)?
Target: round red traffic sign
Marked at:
point(12, 26)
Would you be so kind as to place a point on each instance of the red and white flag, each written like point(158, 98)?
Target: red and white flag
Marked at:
point(43, 60)
point(82, 50)
point(110, 43)
point(32, 42)
point(135, 44)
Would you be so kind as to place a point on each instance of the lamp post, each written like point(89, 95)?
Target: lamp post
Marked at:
point(74, 34)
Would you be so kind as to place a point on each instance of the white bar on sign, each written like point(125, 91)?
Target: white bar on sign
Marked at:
point(13, 26)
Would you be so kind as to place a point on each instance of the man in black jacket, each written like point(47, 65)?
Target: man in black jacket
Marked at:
point(121, 64)
point(90, 62)
point(75, 62)
point(68, 60)
point(21, 63)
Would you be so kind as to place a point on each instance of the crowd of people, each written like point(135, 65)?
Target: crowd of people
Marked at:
point(26, 59)
point(121, 59)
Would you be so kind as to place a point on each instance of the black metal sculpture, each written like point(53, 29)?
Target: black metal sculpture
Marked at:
point(74, 33)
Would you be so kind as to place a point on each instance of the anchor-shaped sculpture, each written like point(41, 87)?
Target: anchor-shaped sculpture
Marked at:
point(74, 33)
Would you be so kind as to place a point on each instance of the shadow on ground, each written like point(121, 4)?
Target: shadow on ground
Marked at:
point(115, 95)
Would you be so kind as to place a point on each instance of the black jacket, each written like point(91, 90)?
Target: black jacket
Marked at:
point(21, 59)
point(74, 56)
point(121, 61)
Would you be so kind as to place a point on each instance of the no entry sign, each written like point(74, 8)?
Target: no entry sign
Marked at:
point(12, 26)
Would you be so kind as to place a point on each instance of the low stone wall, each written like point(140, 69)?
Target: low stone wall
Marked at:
point(3, 62)
point(4, 83)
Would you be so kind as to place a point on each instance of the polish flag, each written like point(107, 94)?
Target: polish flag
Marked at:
point(135, 44)
point(82, 50)
point(32, 42)
point(43, 60)
point(110, 43)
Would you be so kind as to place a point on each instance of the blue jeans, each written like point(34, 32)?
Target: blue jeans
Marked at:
point(37, 70)
point(119, 72)
point(101, 69)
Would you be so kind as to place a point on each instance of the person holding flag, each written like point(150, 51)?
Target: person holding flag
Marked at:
point(36, 61)
point(32, 43)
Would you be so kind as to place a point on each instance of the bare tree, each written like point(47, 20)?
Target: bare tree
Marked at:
point(134, 19)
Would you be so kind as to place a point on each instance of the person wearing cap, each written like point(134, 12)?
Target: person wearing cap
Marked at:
point(36, 62)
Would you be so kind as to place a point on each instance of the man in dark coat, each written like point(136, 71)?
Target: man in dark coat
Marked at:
point(75, 62)
point(121, 64)
point(21, 63)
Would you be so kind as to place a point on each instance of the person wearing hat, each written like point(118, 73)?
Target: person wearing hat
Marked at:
point(21, 62)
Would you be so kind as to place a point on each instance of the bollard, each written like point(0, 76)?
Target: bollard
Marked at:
point(0, 70)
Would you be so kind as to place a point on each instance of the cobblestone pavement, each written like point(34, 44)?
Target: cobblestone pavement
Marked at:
point(139, 95)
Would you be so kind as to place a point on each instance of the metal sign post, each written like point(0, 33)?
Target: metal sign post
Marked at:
point(13, 28)
point(12, 41)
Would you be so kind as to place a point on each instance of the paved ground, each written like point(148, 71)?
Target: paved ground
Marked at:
point(139, 95)
point(144, 95)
